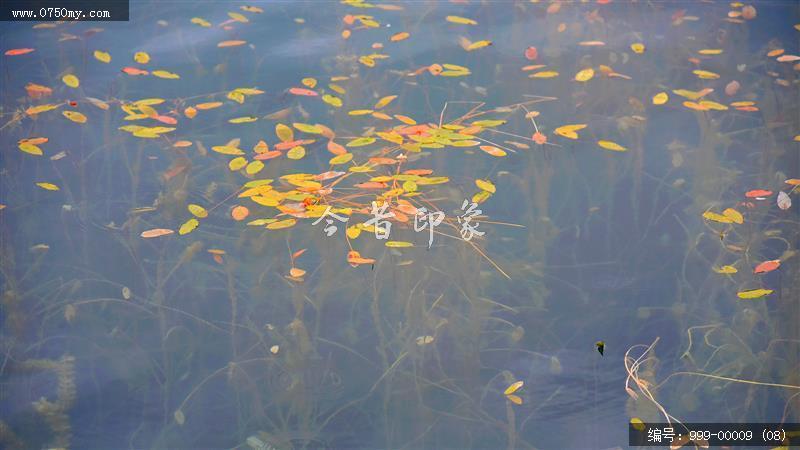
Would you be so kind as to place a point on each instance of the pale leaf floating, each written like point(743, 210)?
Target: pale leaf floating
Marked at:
point(784, 201)
point(70, 312)
point(156, 232)
point(180, 419)
point(424, 340)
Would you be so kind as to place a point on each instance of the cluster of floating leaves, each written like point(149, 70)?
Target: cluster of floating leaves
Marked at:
point(377, 166)
point(732, 217)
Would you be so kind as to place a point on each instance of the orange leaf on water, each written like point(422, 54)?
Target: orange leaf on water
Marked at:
point(239, 212)
point(336, 149)
point(18, 51)
point(134, 71)
point(233, 43)
point(303, 91)
point(758, 193)
point(767, 266)
point(156, 232)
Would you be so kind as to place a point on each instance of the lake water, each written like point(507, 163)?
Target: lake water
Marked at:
point(212, 231)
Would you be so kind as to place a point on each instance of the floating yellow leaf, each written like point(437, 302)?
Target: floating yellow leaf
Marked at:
point(488, 123)
point(74, 116)
point(398, 244)
point(332, 100)
point(200, 21)
point(71, 80)
point(360, 112)
point(705, 74)
point(246, 119)
point(461, 20)
point(150, 132)
point(254, 167)
point(197, 210)
point(141, 57)
point(481, 197)
point(165, 74)
point(609, 145)
point(284, 133)
point(515, 386)
point(238, 17)
point(569, 131)
point(716, 217)
point(478, 44)
point(694, 106)
point(494, 151)
point(227, 150)
point(31, 149)
point(102, 56)
point(405, 119)
point(237, 163)
point(392, 137)
point(727, 270)
point(33, 110)
point(367, 61)
point(341, 159)
point(638, 48)
point(660, 98)
point(753, 293)
point(249, 91)
point(208, 105)
point(486, 185)
point(545, 74)
point(710, 51)
point(360, 142)
point(734, 215)
point(385, 101)
point(236, 96)
point(188, 226)
point(286, 223)
point(691, 95)
point(515, 399)
point(708, 104)
point(296, 152)
point(306, 128)
point(584, 75)
point(48, 186)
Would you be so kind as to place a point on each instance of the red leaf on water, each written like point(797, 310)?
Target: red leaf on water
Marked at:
point(767, 266)
point(18, 51)
point(303, 91)
point(758, 193)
